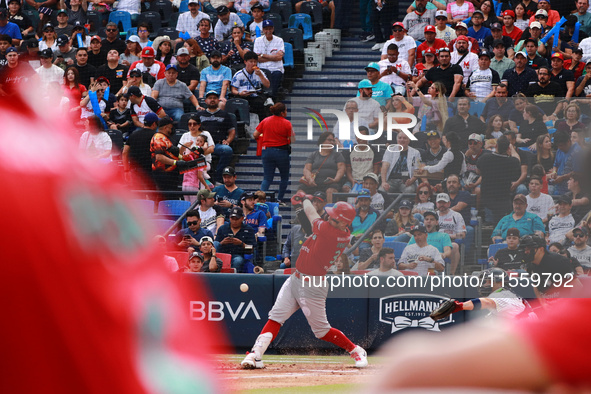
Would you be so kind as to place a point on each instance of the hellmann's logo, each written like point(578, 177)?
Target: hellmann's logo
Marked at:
point(411, 311)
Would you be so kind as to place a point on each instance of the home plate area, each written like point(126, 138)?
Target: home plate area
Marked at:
point(335, 373)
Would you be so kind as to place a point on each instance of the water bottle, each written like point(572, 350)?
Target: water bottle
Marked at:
point(258, 31)
point(473, 217)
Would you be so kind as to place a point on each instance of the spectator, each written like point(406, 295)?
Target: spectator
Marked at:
point(165, 163)
point(257, 15)
point(544, 154)
point(351, 108)
point(65, 56)
point(95, 142)
point(116, 73)
point(271, 50)
point(535, 33)
point(521, 17)
point(277, 135)
point(222, 130)
point(10, 28)
point(399, 104)
point(432, 154)
point(197, 57)
point(49, 72)
point(581, 205)
point(137, 158)
point(206, 42)
point(580, 250)
point(498, 105)
point(234, 238)
point(565, 78)
point(582, 17)
point(539, 203)
point(76, 10)
point(452, 223)
point(500, 63)
point(462, 57)
point(423, 202)
point(545, 92)
point(387, 262)
point(135, 79)
point(170, 93)
point(211, 263)
point(462, 30)
point(97, 56)
point(452, 161)
point(381, 91)
point(421, 257)
point(383, 14)
point(235, 48)
point(226, 20)
point(74, 91)
point(516, 115)
point(371, 183)
point(511, 257)
point(324, 168)
point(16, 74)
point(463, 123)
point(48, 39)
point(87, 72)
point(435, 106)
point(483, 81)
point(164, 51)
point(450, 75)
point(195, 263)
point(583, 85)
point(112, 41)
point(439, 240)
point(246, 6)
point(566, 162)
point(196, 138)
point(457, 11)
point(368, 108)
point(150, 68)
point(509, 28)
point(292, 245)
point(525, 158)
point(228, 194)
point(498, 171)
point(253, 217)
point(406, 45)
point(188, 73)
point(16, 16)
point(428, 62)
point(490, 42)
point(443, 31)
point(142, 105)
point(248, 84)
point(212, 216)
point(216, 78)
point(562, 222)
point(531, 128)
point(527, 223)
point(120, 116)
point(170, 263)
point(488, 13)
point(63, 27)
point(192, 235)
point(494, 127)
point(188, 22)
point(143, 32)
point(430, 42)
point(552, 16)
point(402, 224)
point(319, 202)
point(478, 31)
point(472, 178)
point(460, 200)
point(575, 64)
point(416, 21)
point(365, 217)
point(398, 167)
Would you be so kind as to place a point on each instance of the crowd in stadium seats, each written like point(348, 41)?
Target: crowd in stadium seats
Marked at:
point(500, 90)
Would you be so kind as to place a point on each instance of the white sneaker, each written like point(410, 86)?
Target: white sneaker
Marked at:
point(269, 101)
point(360, 356)
point(250, 362)
point(378, 46)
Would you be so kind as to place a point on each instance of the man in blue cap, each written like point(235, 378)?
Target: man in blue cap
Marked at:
point(271, 50)
point(368, 108)
point(170, 93)
point(365, 216)
point(381, 91)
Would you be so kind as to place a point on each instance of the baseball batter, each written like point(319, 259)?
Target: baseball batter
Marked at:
point(318, 253)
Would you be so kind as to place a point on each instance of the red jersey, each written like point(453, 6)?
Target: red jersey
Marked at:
point(437, 44)
point(276, 131)
point(578, 70)
point(322, 249)
point(160, 145)
point(515, 34)
point(156, 70)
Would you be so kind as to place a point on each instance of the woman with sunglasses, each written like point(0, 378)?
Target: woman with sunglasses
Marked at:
point(196, 180)
point(49, 39)
point(403, 222)
point(423, 200)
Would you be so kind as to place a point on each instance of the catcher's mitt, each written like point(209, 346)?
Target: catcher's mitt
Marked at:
point(446, 309)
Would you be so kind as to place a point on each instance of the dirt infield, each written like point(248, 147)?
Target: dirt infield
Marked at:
point(293, 371)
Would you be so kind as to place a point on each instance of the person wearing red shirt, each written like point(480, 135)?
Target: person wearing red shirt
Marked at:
point(552, 15)
point(462, 30)
point(430, 42)
point(509, 28)
point(275, 135)
point(148, 64)
point(575, 64)
point(306, 288)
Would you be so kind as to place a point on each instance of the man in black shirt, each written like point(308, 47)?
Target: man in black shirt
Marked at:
point(137, 159)
point(450, 75)
point(496, 30)
point(96, 55)
point(565, 78)
point(188, 73)
point(511, 257)
point(463, 123)
point(534, 60)
point(545, 93)
point(86, 71)
point(112, 41)
point(116, 73)
point(519, 78)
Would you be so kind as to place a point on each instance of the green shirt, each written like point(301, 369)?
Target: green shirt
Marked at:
point(585, 21)
point(502, 65)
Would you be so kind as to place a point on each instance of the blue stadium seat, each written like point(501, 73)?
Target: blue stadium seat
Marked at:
point(476, 108)
point(314, 9)
point(132, 32)
point(269, 7)
point(293, 36)
point(164, 8)
point(245, 18)
point(305, 21)
point(184, 7)
point(145, 206)
point(283, 8)
point(273, 208)
point(397, 246)
point(162, 225)
point(288, 60)
point(174, 208)
point(277, 22)
point(122, 19)
point(494, 248)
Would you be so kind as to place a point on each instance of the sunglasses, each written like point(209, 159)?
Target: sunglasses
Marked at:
point(426, 192)
point(472, 142)
point(193, 223)
point(397, 30)
point(579, 235)
point(111, 30)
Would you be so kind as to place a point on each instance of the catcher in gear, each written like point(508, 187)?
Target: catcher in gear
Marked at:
point(494, 295)
point(318, 253)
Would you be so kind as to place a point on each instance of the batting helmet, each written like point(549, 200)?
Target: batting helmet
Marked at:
point(494, 275)
point(342, 211)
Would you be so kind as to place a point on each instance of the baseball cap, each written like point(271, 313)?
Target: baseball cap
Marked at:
point(522, 53)
point(96, 38)
point(148, 52)
point(513, 232)
point(320, 195)
point(547, 1)
point(257, 6)
point(418, 227)
point(557, 55)
point(430, 29)
point(520, 197)
point(498, 42)
point(461, 24)
point(478, 12)
point(373, 176)
point(440, 13)
point(205, 193)
point(433, 134)
point(221, 10)
point(165, 121)
point(398, 24)
point(431, 213)
point(50, 26)
point(134, 91)
point(429, 51)
point(103, 79)
point(363, 193)
point(364, 84)
point(268, 23)
point(62, 40)
point(578, 50)
point(193, 2)
point(11, 49)
point(246, 195)
point(484, 52)
point(150, 118)
point(534, 25)
point(215, 53)
point(133, 38)
point(206, 239)
point(212, 92)
point(173, 66)
point(47, 53)
point(3, 13)
point(182, 51)
point(542, 12)
point(229, 171)
point(496, 26)
point(475, 137)
point(32, 43)
point(80, 25)
point(236, 212)
point(508, 13)
point(564, 198)
point(62, 11)
point(580, 230)
point(135, 73)
point(373, 66)
point(443, 197)
point(405, 204)
point(196, 254)
point(462, 38)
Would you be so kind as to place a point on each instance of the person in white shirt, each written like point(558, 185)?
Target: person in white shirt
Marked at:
point(539, 203)
point(368, 108)
point(562, 222)
point(464, 58)
point(444, 32)
point(482, 81)
point(188, 22)
point(420, 256)
point(226, 21)
point(580, 250)
point(351, 108)
point(271, 50)
point(407, 46)
point(451, 223)
point(49, 72)
point(387, 264)
point(394, 71)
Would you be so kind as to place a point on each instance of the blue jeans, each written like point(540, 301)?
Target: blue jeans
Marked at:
point(174, 113)
point(365, 8)
point(276, 77)
point(238, 263)
point(224, 152)
point(275, 158)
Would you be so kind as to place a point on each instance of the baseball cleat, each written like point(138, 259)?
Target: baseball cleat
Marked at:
point(250, 362)
point(360, 356)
